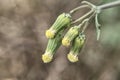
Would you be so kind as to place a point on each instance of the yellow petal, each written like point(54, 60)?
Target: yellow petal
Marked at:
point(50, 34)
point(65, 42)
point(47, 58)
point(72, 58)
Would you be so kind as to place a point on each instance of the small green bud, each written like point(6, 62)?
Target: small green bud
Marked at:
point(52, 46)
point(61, 22)
point(76, 47)
point(70, 35)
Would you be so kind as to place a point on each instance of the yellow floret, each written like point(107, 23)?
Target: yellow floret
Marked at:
point(47, 58)
point(65, 42)
point(50, 34)
point(72, 58)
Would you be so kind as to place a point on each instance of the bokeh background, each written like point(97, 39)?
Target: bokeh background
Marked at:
point(22, 42)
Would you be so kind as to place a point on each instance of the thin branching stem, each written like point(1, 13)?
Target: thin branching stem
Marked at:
point(109, 5)
point(83, 17)
point(78, 8)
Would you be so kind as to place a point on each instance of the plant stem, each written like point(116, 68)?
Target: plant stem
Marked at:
point(83, 17)
point(109, 5)
point(77, 8)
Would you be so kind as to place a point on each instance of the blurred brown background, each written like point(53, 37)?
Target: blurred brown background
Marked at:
point(22, 42)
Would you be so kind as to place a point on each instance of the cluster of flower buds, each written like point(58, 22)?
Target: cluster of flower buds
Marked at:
point(74, 37)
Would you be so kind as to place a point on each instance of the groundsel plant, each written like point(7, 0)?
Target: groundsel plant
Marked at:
point(75, 36)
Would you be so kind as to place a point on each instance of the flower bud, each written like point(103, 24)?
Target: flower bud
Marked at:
point(47, 57)
point(52, 46)
point(70, 35)
point(76, 47)
point(61, 22)
point(72, 57)
point(50, 33)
